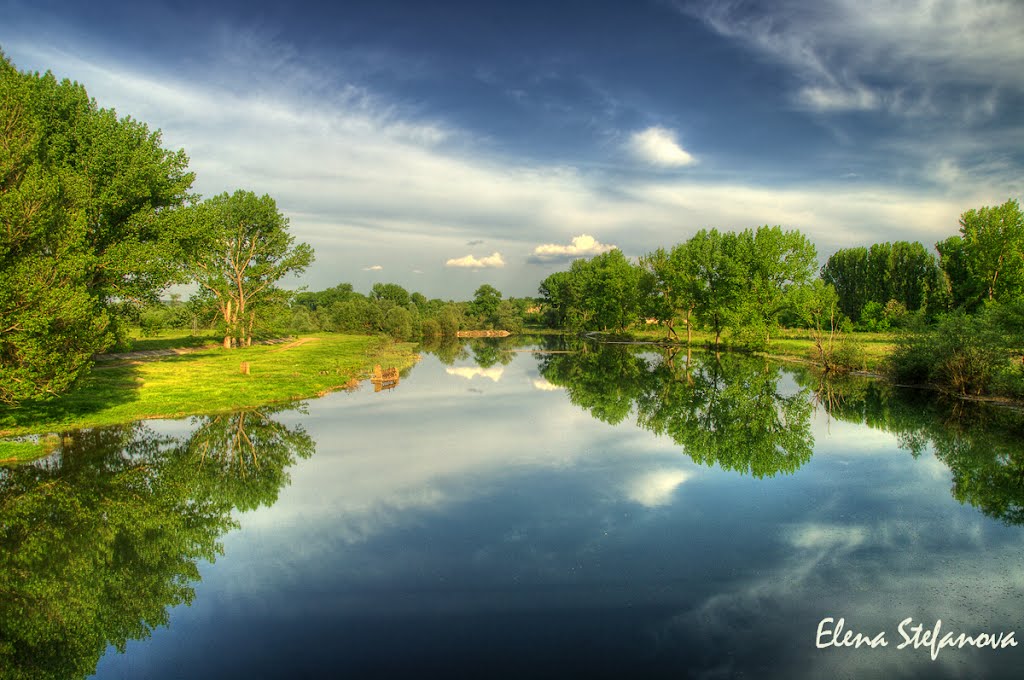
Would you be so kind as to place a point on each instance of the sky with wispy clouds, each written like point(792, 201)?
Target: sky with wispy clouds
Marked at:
point(442, 145)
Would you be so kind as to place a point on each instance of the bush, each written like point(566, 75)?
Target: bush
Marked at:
point(398, 323)
point(961, 353)
point(431, 330)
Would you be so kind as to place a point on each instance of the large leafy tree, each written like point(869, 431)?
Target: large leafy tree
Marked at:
point(85, 198)
point(986, 261)
point(674, 286)
point(776, 264)
point(485, 304)
point(246, 249)
point(720, 278)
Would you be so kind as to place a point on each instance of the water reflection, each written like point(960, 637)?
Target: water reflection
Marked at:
point(735, 411)
point(728, 410)
point(982, 445)
point(99, 540)
point(613, 512)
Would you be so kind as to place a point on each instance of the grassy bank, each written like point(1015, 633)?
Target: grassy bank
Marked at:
point(207, 380)
point(873, 348)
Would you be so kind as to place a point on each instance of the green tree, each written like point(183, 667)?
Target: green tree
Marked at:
point(675, 287)
point(561, 298)
point(776, 263)
point(484, 306)
point(612, 291)
point(87, 202)
point(246, 250)
point(391, 292)
point(902, 271)
point(986, 261)
point(324, 298)
point(720, 278)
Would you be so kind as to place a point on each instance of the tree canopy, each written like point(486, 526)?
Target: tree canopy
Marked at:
point(986, 261)
point(246, 249)
point(85, 197)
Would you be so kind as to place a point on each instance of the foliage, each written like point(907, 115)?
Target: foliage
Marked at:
point(818, 305)
point(602, 293)
point(986, 261)
point(86, 202)
point(484, 306)
point(904, 272)
point(720, 278)
point(776, 264)
point(962, 353)
point(245, 250)
point(674, 287)
point(392, 292)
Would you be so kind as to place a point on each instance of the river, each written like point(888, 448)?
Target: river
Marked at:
point(529, 511)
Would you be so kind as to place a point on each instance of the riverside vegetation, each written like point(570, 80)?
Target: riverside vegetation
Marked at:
point(203, 382)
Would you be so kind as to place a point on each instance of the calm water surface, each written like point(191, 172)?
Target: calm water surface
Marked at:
point(608, 513)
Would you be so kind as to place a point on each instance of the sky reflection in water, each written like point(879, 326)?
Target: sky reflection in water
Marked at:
point(475, 521)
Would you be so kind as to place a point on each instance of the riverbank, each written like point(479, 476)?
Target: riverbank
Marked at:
point(871, 349)
point(202, 381)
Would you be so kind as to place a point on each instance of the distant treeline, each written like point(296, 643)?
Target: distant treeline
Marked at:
point(388, 309)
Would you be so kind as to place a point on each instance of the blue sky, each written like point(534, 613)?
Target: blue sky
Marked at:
point(441, 145)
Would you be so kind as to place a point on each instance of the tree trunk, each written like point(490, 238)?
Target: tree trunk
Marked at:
point(227, 323)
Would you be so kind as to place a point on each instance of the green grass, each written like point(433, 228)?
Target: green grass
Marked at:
point(172, 339)
point(793, 344)
point(205, 381)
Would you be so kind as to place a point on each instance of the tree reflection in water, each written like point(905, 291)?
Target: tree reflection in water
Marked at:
point(982, 444)
point(728, 410)
point(99, 540)
point(731, 410)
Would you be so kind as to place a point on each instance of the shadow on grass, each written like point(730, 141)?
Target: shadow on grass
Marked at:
point(105, 387)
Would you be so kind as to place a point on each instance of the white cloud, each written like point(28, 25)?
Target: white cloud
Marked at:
point(656, 488)
point(916, 48)
point(470, 261)
point(373, 268)
point(583, 245)
point(469, 372)
point(838, 99)
point(658, 146)
point(543, 385)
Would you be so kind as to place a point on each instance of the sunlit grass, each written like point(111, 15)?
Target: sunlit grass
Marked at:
point(791, 343)
point(171, 339)
point(205, 381)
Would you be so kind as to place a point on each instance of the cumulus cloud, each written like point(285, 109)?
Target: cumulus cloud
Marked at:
point(656, 488)
point(471, 262)
point(469, 372)
point(543, 385)
point(658, 146)
point(583, 245)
